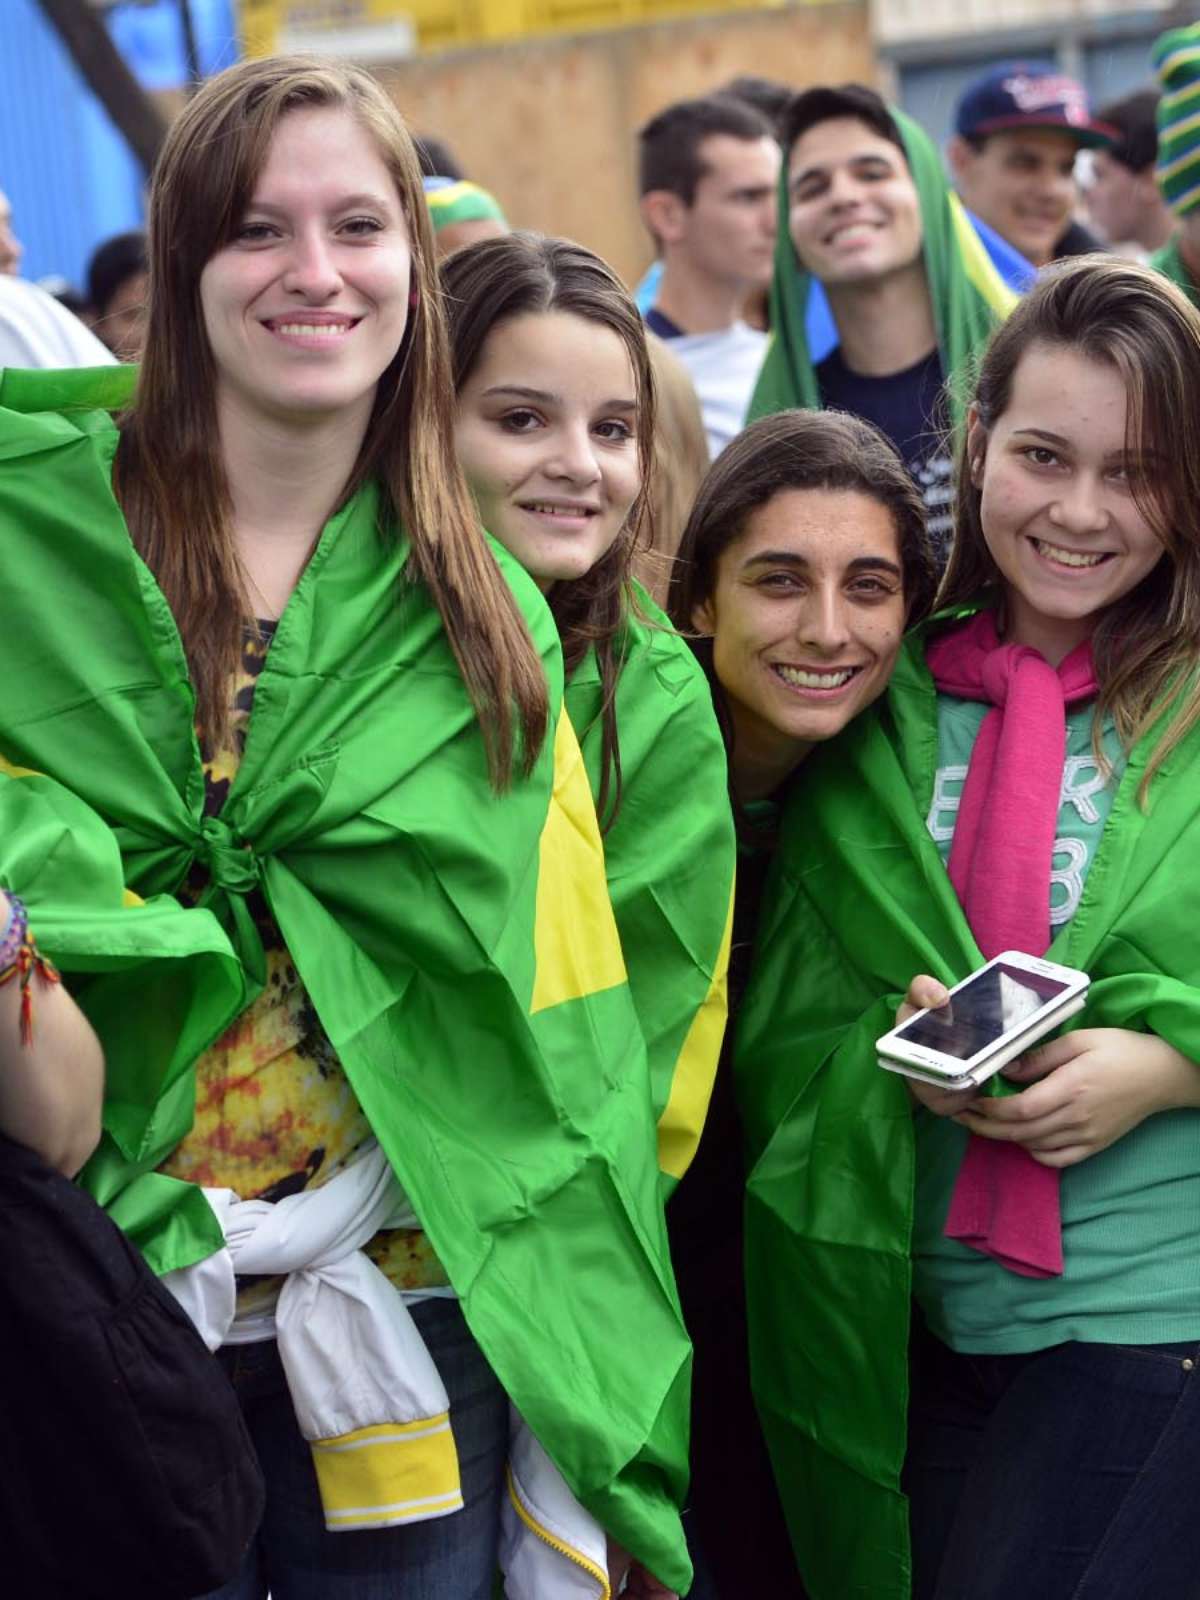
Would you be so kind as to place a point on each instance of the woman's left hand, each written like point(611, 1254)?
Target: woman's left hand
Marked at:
point(1095, 1085)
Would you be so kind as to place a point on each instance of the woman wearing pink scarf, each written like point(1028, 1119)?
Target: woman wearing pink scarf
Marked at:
point(1055, 1258)
point(974, 1320)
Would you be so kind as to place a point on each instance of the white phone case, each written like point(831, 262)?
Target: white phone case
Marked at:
point(995, 1063)
point(929, 1065)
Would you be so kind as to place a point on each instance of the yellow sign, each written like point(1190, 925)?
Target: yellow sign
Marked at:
point(268, 26)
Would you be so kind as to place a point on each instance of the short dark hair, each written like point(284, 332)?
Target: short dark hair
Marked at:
point(435, 157)
point(783, 451)
point(670, 142)
point(764, 94)
point(827, 104)
point(121, 257)
point(1133, 116)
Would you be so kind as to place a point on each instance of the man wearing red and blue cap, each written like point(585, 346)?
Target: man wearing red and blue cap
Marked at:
point(1018, 129)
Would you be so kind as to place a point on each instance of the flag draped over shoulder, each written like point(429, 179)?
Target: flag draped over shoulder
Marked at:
point(858, 904)
point(459, 946)
point(669, 856)
point(969, 297)
point(112, 947)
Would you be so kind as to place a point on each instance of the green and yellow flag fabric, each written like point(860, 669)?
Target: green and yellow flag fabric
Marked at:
point(669, 856)
point(857, 904)
point(459, 946)
point(969, 296)
point(453, 200)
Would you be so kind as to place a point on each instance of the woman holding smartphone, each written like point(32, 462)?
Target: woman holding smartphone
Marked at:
point(254, 624)
point(1028, 783)
point(555, 432)
point(803, 561)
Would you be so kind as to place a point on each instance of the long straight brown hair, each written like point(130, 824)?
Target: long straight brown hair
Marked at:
point(489, 283)
point(170, 477)
point(1146, 646)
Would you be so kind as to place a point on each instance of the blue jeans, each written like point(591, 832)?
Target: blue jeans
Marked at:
point(1066, 1474)
point(449, 1558)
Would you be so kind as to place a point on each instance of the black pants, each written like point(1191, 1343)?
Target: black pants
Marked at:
point(1065, 1474)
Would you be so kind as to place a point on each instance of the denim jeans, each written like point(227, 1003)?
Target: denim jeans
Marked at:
point(1066, 1474)
point(448, 1558)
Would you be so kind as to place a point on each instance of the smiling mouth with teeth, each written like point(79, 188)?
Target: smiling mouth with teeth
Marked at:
point(1070, 558)
point(546, 509)
point(311, 330)
point(815, 678)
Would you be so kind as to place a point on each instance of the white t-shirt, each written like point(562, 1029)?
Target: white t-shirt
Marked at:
point(723, 368)
point(35, 331)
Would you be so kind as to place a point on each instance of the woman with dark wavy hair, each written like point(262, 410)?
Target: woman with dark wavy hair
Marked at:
point(804, 559)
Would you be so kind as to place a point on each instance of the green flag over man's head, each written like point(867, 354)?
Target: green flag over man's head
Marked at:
point(967, 294)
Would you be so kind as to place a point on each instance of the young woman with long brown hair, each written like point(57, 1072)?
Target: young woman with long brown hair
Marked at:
point(1029, 783)
point(556, 434)
point(262, 635)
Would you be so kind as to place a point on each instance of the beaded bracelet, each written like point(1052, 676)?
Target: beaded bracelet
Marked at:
point(20, 958)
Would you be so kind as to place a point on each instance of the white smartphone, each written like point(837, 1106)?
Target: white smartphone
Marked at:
point(990, 1019)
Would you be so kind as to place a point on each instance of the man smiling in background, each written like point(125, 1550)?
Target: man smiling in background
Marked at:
point(867, 215)
point(1018, 129)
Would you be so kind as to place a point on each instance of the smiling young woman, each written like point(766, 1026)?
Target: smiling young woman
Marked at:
point(803, 561)
point(263, 637)
point(555, 433)
point(1028, 783)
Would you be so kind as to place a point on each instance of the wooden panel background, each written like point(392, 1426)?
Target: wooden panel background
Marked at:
point(549, 125)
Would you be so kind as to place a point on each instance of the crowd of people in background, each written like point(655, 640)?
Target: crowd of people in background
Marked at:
point(486, 752)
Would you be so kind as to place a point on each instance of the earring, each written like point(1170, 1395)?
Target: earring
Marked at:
point(413, 297)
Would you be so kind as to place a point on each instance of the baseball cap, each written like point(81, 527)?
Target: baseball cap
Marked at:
point(1024, 94)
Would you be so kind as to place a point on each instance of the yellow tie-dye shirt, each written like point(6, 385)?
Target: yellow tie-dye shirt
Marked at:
point(275, 1113)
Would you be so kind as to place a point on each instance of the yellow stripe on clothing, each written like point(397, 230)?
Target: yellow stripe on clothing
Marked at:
point(1168, 169)
point(559, 1545)
point(389, 1473)
point(576, 944)
point(9, 771)
point(682, 1120)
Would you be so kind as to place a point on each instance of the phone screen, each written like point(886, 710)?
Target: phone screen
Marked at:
point(996, 1001)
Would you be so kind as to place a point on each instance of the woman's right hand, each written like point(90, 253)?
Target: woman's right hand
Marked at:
point(924, 992)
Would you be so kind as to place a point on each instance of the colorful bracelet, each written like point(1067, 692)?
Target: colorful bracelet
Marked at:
point(20, 958)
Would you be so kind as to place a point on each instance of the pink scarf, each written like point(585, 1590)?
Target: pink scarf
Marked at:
point(1005, 1203)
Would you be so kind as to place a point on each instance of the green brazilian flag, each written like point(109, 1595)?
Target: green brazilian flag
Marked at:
point(669, 858)
point(969, 297)
point(459, 946)
point(858, 903)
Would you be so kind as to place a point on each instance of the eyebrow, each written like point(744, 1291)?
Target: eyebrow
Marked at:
point(545, 397)
point(1059, 443)
point(789, 558)
point(344, 203)
point(821, 169)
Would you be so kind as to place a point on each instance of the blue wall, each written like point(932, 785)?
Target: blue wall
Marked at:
point(68, 173)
